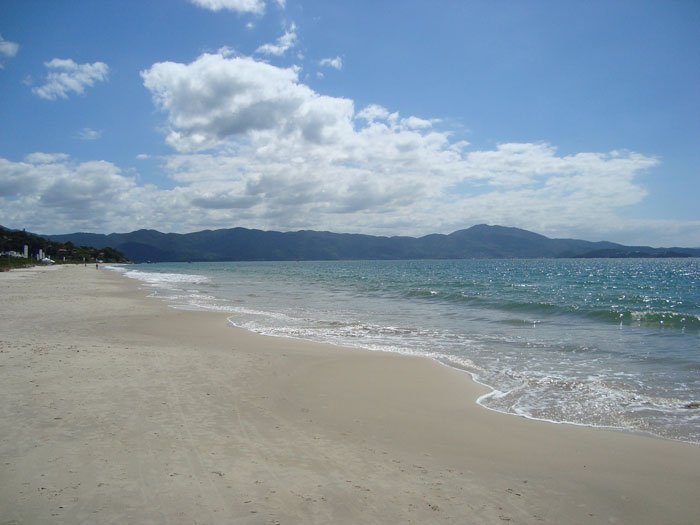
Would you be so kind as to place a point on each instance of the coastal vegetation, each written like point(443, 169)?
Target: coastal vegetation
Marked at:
point(13, 242)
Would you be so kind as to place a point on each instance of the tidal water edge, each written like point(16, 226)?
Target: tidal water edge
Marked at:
point(602, 342)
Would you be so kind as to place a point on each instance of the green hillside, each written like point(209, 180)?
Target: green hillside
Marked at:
point(59, 252)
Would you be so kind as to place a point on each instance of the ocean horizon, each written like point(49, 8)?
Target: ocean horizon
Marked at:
point(601, 342)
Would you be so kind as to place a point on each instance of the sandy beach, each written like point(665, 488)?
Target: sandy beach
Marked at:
point(119, 409)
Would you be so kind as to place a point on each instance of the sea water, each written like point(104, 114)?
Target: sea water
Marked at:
point(601, 342)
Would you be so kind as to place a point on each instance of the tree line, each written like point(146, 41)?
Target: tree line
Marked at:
point(59, 252)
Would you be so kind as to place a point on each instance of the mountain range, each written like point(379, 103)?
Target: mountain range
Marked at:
point(241, 244)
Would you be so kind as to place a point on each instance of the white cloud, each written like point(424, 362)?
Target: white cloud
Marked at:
point(50, 193)
point(255, 147)
point(374, 112)
point(294, 187)
point(336, 63)
point(417, 123)
point(252, 138)
point(282, 44)
point(7, 48)
point(242, 6)
point(45, 158)
point(65, 76)
point(47, 189)
point(89, 134)
point(216, 97)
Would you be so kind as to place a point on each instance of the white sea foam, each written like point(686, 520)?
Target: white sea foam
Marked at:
point(165, 279)
point(546, 366)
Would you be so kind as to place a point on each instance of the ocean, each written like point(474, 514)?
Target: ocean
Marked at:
point(600, 342)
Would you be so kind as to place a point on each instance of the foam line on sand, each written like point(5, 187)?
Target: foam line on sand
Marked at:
point(118, 409)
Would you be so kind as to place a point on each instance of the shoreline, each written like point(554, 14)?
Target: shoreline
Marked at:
point(121, 408)
point(443, 359)
point(544, 366)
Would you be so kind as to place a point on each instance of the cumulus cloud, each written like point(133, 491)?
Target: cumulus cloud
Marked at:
point(242, 6)
point(49, 187)
point(7, 48)
point(336, 63)
point(255, 147)
point(51, 193)
point(287, 41)
point(415, 122)
point(375, 112)
point(299, 188)
point(217, 97)
point(45, 158)
point(66, 76)
point(284, 156)
point(384, 194)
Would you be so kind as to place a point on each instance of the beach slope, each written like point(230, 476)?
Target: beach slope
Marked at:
point(118, 409)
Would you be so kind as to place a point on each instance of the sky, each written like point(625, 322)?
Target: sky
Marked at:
point(398, 117)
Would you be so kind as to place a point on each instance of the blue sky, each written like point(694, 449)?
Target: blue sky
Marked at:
point(571, 119)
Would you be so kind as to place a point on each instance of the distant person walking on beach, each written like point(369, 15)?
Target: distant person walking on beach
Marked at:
point(97, 265)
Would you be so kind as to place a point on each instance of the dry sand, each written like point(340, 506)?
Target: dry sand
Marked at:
point(118, 409)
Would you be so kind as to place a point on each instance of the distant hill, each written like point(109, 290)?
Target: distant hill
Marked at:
point(641, 252)
point(241, 244)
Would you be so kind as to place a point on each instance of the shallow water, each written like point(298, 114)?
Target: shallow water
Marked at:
point(597, 342)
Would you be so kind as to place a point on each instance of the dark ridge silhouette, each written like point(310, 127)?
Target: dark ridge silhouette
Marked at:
point(241, 244)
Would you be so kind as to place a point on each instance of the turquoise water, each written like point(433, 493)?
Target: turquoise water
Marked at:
point(612, 343)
